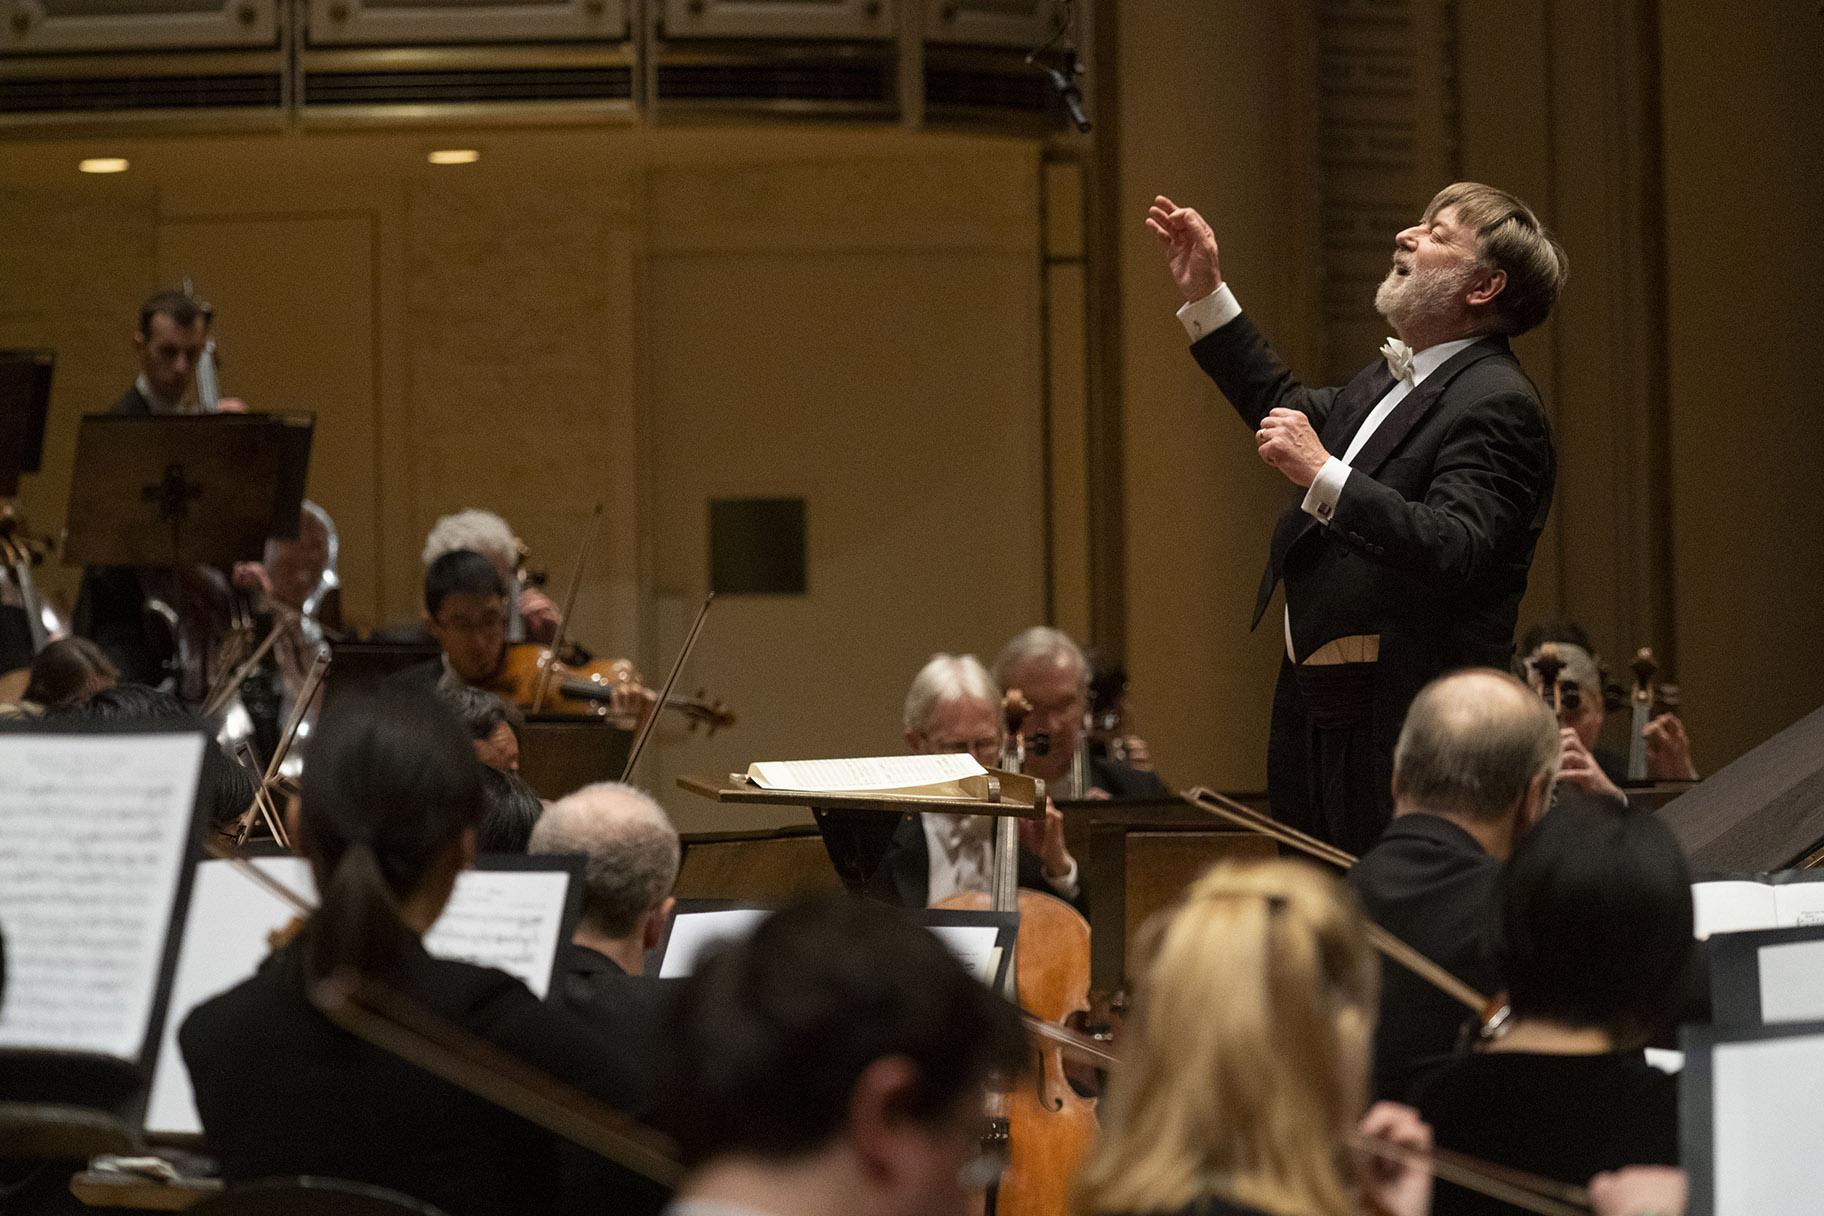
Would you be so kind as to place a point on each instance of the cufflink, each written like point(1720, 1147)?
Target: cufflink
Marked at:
point(1323, 510)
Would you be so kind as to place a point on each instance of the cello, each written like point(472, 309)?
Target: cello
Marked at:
point(1041, 1125)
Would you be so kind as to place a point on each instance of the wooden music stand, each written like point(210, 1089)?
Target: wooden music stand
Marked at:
point(204, 490)
point(857, 828)
point(1763, 812)
point(25, 400)
point(1137, 855)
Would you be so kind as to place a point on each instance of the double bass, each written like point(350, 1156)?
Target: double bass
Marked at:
point(1041, 1125)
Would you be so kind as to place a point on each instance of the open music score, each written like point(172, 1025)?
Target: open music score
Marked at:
point(94, 832)
point(941, 775)
point(514, 918)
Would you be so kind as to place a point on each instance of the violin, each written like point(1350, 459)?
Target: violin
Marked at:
point(531, 678)
point(551, 679)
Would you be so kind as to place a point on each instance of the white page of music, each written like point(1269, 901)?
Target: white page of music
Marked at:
point(94, 829)
point(510, 919)
point(1768, 1123)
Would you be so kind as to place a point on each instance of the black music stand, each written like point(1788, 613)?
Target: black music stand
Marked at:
point(25, 400)
point(185, 490)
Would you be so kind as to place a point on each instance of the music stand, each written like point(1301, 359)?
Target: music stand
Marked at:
point(185, 490)
point(25, 399)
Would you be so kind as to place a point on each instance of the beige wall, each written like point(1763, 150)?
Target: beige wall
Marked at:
point(891, 322)
point(643, 319)
point(1744, 156)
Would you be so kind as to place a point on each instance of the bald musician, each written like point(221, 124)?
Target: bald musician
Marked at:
point(630, 853)
point(1473, 770)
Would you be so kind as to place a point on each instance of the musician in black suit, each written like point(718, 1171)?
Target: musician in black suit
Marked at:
point(630, 853)
point(1423, 486)
point(114, 605)
point(954, 706)
point(387, 817)
point(1473, 771)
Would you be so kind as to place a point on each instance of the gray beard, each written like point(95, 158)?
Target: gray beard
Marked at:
point(1426, 292)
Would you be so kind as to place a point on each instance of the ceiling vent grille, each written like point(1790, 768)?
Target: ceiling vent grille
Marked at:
point(112, 94)
point(771, 80)
point(467, 86)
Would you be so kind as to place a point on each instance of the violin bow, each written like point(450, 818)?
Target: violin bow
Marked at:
point(1528, 1192)
point(1390, 946)
point(307, 693)
point(224, 692)
point(388, 1019)
point(543, 687)
point(671, 680)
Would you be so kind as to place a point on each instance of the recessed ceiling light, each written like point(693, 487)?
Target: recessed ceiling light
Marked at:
point(104, 164)
point(454, 156)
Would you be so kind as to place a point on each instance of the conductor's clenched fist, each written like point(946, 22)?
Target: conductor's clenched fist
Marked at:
point(1288, 443)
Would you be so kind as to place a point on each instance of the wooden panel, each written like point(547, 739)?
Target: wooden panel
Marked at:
point(1021, 23)
point(414, 21)
point(777, 18)
point(884, 366)
point(771, 871)
point(129, 25)
point(1160, 865)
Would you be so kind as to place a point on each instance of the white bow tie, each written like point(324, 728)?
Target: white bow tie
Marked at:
point(1399, 359)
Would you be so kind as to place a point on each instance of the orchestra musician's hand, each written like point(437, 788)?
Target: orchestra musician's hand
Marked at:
point(1668, 750)
point(1288, 443)
point(1640, 1190)
point(1046, 839)
point(1396, 1187)
point(252, 577)
point(1190, 247)
point(1136, 753)
point(1576, 766)
point(540, 614)
point(231, 405)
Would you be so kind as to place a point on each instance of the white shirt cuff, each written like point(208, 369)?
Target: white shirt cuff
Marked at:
point(1214, 311)
point(1066, 885)
point(1326, 488)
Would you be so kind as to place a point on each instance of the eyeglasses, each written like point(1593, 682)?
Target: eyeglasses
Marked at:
point(485, 623)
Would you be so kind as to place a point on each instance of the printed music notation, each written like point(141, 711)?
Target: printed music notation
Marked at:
point(94, 829)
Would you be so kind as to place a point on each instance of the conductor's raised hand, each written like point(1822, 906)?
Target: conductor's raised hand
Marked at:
point(1190, 247)
point(1288, 443)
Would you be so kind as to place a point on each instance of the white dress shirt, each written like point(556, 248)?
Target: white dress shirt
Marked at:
point(704, 1207)
point(1217, 309)
point(960, 857)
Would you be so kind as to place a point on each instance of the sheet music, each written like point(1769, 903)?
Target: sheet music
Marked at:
point(1799, 904)
point(693, 933)
point(1792, 982)
point(864, 774)
point(1733, 906)
point(94, 829)
point(225, 940)
point(1767, 1126)
point(974, 946)
point(510, 919)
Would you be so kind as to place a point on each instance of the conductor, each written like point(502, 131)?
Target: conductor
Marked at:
point(1422, 488)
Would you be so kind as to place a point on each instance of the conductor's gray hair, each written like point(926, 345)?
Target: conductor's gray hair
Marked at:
point(1041, 643)
point(944, 679)
point(481, 531)
point(1472, 744)
point(629, 847)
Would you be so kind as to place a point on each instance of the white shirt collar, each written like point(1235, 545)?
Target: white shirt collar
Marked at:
point(1432, 358)
point(154, 402)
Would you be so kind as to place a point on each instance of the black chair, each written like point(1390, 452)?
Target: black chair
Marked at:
point(311, 1197)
